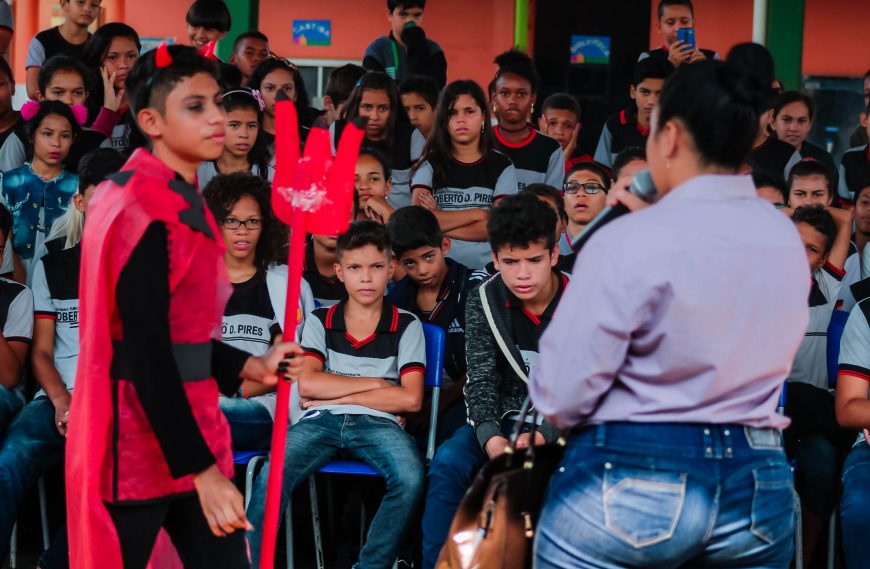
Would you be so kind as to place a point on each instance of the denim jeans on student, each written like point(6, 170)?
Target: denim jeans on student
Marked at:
point(669, 495)
point(854, 507)
point(380, 443)
point(10, 404)
point(250, 423)
point(452, 471)
point(31, 446)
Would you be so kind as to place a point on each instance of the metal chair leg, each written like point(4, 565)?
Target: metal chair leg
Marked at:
point(13, 548)
point(315, 521)
point(798, 534)
point(249, 477)
point(288, 533)
point(43, 513)
point(832, 540)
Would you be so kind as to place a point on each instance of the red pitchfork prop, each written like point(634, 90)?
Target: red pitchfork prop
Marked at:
point(312, 194)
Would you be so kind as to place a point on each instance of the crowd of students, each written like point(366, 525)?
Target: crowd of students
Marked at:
point(466, 204)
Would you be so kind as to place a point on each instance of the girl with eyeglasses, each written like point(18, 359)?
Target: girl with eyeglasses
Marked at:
point(253, 317)
point(461, 176)
point(585, 190)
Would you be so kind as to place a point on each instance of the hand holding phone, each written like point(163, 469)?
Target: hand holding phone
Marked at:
point(687, 37)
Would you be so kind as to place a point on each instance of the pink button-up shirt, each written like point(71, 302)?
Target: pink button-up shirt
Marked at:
point(688, 311)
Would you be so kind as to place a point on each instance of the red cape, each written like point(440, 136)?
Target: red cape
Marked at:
point(118, 216)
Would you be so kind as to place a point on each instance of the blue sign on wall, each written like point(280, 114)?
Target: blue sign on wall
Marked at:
point(312, 32)
point(590, 49)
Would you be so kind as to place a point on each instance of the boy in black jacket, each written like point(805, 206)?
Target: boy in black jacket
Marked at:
point(504, 318)
point(406, 51)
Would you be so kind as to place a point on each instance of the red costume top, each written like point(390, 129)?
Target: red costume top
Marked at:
point(116, 451)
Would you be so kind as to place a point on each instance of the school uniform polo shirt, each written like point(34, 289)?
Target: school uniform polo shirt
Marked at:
point(16, 311)
point(811, 361)
point(621, 130)
point(854, 360)
point(468, 186)
point(448, 313)
point(774, 156)
point(396, 347)
point(56, 297)
point(854, 171)
point(326, 290)
point(527, 327)
point(48, 43)
point(538, 159)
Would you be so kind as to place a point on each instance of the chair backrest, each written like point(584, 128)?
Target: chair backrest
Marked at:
point(435, 341)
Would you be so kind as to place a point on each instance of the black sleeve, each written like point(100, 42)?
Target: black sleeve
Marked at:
point(226, 366)
point(143, 305)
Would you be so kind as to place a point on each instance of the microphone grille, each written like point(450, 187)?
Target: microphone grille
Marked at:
point(643, 186)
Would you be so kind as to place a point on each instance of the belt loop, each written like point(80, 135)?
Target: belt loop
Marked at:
point(600, 437)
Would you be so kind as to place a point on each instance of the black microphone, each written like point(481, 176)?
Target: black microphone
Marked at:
point(642, 186)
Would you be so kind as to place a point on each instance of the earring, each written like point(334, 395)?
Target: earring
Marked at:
point(493, 108)
point(533, 109)
point(483, 126)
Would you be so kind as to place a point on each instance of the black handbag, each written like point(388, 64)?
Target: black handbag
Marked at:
point(494, 527)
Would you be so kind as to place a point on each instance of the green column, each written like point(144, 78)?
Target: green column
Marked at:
point(785, 39)
point(521, 24)
point(245, 18)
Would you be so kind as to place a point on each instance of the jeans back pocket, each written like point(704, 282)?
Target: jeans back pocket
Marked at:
point(773, 502)
point(642, 506)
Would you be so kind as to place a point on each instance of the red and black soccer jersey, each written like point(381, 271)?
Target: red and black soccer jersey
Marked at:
point(538, 159)
point(449, 313)
point(854, 171)
point(774, 156)
point(326, 290)
point(621, 130)
point(396, 347)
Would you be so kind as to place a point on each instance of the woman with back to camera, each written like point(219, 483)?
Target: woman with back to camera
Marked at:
point(685, 339)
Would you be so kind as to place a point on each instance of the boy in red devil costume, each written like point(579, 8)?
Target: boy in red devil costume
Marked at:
point(148, 445)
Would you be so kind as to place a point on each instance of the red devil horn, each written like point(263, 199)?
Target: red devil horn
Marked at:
point(162, 58)
point(207, 51)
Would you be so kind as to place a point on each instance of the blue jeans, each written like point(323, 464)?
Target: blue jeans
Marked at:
point(250, 423)
point(32, 445)
point(854, 507)
point(10, 404)
point(380, 443)
point(669, 495)
point(452, 471)
point(817, 473)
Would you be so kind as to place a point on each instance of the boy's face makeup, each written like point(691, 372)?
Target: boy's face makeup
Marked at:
point(560, 125)
point(241, 243)
point(646, 95)
point(420, 113)
point(513, 100)
point(200, 36)
point(426, 265)
point(793, 123)
point(399, 17)
point(365, 273)
point(53, 140)
point(249, 54)
point(193, 124)
point(674, 18)
point(120, 57)
point(465, 121)
point(814, 243)
point(526, 270)
point(67, 87)
point(369, 179)
point(582, 207)
point(809, 190)
point(277, 80)
point(861, 213)
point(82, 12)
point(375, 105)
point(242, 129)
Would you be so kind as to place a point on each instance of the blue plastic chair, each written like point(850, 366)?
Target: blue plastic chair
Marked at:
point(435, 345)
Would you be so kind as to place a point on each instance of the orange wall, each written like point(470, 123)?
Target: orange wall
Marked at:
point(836, 42)
point(470, 40)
